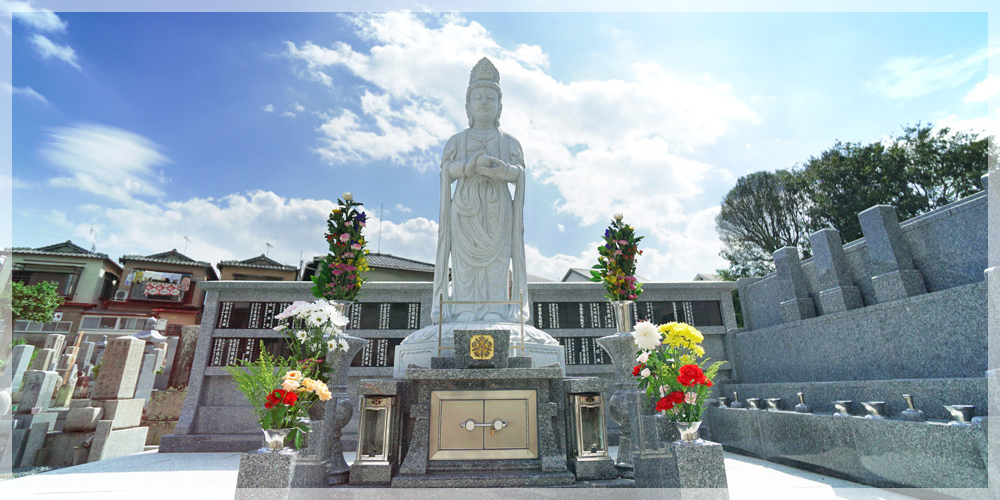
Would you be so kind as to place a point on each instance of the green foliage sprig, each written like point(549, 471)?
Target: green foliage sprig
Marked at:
point(340, 273)
point(34, 303)
point(615, 266)
point(258, 378)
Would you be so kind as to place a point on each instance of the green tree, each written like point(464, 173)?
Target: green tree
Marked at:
point(34, 303)
point(765, 211)
point(918, 171)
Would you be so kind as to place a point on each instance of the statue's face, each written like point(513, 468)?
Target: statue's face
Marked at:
point(484, 103)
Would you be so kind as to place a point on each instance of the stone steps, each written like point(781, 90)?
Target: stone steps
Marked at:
point(485, 479)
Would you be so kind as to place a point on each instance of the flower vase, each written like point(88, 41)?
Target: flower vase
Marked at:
point(274, 441)
point(623, 403)
point(338, 410)
point(344, 306)
point(624, 320)
point(689, 433)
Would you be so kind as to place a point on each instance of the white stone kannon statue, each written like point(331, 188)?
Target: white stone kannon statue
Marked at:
point(480, 236)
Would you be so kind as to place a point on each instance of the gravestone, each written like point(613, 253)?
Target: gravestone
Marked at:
point(119, 369)
point(180, 371)
point(837, 290)
point(894, 276)
point(20, 359)
point(37, 392)
point(84, 355)
point(65, 393)
point(147, 375)
point(56, 342)
point(798, 306)
point(43, 360)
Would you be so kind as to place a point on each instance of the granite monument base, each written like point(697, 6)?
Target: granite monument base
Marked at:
point(420, 346)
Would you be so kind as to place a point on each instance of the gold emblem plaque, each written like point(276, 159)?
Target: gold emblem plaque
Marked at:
point(481, 347)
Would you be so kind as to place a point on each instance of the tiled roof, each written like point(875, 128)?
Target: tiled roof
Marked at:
point(171, 257)
point(67, 249)
point(259, 262)
point(387, 261)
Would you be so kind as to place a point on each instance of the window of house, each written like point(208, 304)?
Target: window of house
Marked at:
point(34, 326)
point(157, 285)
point(64, 277)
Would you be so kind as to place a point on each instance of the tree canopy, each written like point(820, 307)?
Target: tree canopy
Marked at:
point(34, 303)
point(916, 171)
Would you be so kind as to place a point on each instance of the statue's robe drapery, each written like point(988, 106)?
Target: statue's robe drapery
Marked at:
point(481, 233)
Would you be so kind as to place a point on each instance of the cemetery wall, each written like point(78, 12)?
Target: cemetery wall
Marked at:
point(239, 315)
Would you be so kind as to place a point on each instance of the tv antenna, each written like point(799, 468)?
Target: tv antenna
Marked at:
point(268, 250)
point(93, 240)
point(186, 241)
point(380, 219)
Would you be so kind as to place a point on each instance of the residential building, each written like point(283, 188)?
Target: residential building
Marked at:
point(84, 278)
point(163, 285)
point(259, 268)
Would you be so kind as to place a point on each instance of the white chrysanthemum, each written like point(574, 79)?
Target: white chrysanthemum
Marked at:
point(343, 345)
point(647, 337)
point(279, 328)
point(331, 344)
point(643, 358)
point(301, 335)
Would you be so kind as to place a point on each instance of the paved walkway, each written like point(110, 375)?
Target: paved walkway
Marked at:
point(189, 476)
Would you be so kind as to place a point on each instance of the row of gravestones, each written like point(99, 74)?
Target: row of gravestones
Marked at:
point(104, 426)
point(62, 418)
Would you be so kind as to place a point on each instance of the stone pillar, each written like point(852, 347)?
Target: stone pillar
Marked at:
point(180, 372)
point(43, 360)
point(892, 271)
point(37, 392)
point(20, 359)
point(800, 305)
point(120, 369)
point(838, 292)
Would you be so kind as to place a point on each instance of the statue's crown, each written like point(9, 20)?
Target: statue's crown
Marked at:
point(484, 71)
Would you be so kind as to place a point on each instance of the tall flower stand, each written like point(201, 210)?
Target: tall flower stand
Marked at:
point(265, 475)
point(663, 462)
point(625, 401)
point(338, 411)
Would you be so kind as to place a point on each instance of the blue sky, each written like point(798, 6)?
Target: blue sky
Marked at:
point(236, 129)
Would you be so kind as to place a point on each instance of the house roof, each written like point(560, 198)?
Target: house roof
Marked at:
point(259, 262)
point(171, 257)
point(585, 273)
point(65, 249)
point(387, 261)
point(706, 277)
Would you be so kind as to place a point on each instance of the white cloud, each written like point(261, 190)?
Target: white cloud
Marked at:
point(984, 90)
point(24, 91)
point(619, 144)
point(403, 209)
point(985, 125)
point(913, 76)
point(561, 228)
point(555, 266)
point(236, 227)
point(49, 49)
point(39, 19)
point(104, 160)
point(269, 108)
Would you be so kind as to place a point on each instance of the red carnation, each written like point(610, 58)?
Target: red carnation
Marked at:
point(676, 397)
point(664, 404)
point(690, 375)
point(637, 369)
point(269, 404)
point(290, 398)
